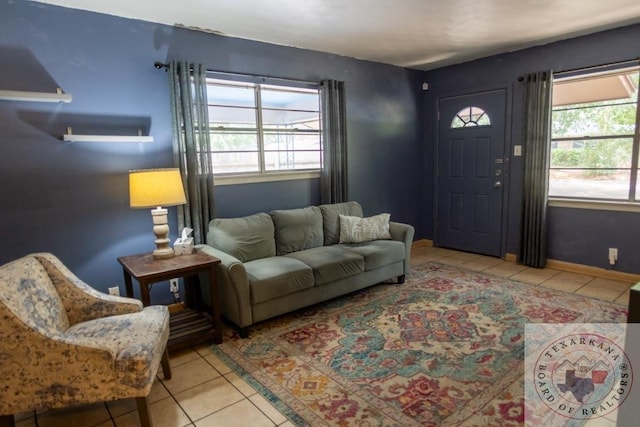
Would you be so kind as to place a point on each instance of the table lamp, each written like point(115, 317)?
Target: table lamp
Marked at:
point(150, 188)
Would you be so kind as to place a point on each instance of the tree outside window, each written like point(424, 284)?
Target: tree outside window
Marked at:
point(594, 149)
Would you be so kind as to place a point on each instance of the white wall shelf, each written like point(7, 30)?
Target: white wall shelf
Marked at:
point(71, 137)
point(17, 95)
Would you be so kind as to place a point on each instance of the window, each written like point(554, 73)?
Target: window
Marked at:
point(470, 116)
point(594, 147)
point(262, 129)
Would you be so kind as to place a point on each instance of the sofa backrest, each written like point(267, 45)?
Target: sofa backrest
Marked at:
point(331, 219)
point(281, 231)
point(29, 296)
point(247, 238)
point(297, 229)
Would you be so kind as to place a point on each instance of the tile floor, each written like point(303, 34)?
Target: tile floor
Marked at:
point(204, 392)
point(595, 287)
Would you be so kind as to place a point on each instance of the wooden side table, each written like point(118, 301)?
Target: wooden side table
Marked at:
point(189, 326)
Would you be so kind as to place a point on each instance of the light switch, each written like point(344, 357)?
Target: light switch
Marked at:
point(517, 150)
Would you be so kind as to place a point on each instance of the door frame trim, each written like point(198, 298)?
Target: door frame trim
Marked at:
point(508, 153)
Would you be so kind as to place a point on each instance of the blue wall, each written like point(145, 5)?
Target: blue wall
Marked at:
point(72, 198)
point(575, 235)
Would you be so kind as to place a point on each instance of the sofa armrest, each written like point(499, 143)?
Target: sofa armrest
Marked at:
point(233, 287)
point(403, 233)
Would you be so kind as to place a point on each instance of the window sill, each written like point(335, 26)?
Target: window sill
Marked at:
point(266, 177)
point(594, 205)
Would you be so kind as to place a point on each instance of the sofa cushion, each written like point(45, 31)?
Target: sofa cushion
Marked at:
point(247, 238)
point(330, 263)
point(378, 253)
point(274, 277)
point(297, 229)
point(331, 219)
point(354, 229)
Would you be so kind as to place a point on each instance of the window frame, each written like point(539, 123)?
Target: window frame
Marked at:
point(468, 119)
point(262, 132)
point(632, 202)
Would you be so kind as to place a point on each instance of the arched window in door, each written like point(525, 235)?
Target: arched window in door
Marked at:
point(470, 116)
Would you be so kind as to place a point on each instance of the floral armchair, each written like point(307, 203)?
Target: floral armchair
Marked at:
point(63, 343)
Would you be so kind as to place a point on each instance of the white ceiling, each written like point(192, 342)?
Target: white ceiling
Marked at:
point(421, 34)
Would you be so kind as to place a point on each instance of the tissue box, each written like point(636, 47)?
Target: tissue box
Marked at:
point(183, 248)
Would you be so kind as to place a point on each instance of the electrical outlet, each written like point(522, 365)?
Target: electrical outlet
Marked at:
point(115, 291)
point(613, 255)
point(174, 285)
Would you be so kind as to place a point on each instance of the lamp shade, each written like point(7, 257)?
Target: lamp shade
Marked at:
point(151, 188)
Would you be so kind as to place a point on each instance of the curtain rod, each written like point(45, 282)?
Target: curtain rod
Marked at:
point(160, 65)
point(593, 67)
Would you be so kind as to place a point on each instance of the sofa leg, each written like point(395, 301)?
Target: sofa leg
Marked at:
point(143, 411)
point(166, 366)
point(7, 421)
point(244, 332)
point(401, 279)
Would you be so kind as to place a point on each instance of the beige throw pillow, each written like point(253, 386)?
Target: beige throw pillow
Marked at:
point(354, 229)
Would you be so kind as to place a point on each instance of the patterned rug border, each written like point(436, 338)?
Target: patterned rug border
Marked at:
point(519, 282)
point(278, 403)
point(335, 305)
point(522, 283)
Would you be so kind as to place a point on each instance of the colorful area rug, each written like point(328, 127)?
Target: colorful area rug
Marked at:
point(445, 348)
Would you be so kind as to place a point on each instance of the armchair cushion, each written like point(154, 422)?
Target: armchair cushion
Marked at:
point(131, 340)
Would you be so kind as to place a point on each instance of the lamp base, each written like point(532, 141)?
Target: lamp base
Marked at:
point(161, 231)
point(163, 253)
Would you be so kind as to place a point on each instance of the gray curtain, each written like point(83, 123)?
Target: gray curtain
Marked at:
point(192, 145)
point(333, 179)
point(536, 144)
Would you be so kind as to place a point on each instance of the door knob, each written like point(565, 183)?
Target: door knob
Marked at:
point(498, 184)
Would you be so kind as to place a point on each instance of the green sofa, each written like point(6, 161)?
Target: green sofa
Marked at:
point(289, 259)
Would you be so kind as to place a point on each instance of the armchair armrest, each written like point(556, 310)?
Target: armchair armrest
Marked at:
point(233, 287)
point(403, 233)
point(81, 301)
